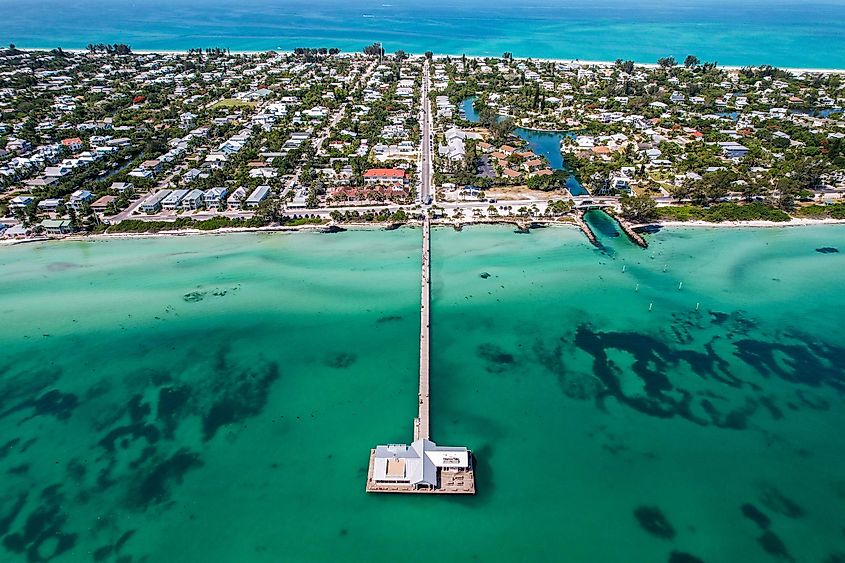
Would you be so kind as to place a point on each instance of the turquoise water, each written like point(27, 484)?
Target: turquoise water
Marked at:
point(780, 32)
point(546, 143)
point(214, 398)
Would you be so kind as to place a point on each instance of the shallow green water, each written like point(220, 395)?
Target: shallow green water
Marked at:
point(214, 398)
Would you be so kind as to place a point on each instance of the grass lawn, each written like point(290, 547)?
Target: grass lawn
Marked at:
point(233, 103)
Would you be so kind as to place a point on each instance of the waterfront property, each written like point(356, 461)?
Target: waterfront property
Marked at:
point(153, 202)
point(192, 200)
point(173, 199)
point(57, 226)
point(422, 467)
point(258, 195)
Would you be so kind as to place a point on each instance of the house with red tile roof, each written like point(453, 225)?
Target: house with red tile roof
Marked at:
point(385, 176)
point(73, 144)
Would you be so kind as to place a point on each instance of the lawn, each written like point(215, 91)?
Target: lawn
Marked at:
point(232, 103)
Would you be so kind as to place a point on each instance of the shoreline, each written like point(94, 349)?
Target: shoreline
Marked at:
point(457, 225)
point(794, 70)
point(794, 222)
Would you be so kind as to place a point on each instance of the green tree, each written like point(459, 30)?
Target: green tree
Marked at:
point(639, 208)
point(691, 61)
point(311, 200)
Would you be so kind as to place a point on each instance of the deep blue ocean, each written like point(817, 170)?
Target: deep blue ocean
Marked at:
point(787, 33)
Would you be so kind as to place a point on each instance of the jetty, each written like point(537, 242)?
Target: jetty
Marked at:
point(423, 466)
point(585, 228)
point(629, 231)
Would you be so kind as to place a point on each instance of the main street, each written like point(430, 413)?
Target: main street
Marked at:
point(426, 140)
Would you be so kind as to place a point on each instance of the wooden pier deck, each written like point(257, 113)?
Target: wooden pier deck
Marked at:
point(422, 424)
point(452, 482)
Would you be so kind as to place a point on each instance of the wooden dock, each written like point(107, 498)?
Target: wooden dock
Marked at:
point(422, 424)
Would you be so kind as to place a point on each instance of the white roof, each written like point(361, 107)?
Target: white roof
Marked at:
point(422, 459)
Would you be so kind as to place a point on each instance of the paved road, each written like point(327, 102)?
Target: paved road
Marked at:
point(425, 139)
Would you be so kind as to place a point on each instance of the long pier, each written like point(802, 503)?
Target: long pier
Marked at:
point(423, 466)
point(422, 424)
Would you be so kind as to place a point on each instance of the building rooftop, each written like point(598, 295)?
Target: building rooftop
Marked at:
point(407, 468)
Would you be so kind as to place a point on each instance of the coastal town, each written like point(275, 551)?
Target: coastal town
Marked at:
point(307, 281)
point(108, 141)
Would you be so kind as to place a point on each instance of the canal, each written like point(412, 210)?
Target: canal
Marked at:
point(546, 143)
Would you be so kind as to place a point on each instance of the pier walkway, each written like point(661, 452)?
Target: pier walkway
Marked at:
point(423, 466)
point(422, 424)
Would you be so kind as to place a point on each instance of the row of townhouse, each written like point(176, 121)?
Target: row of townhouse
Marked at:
point(211, 198)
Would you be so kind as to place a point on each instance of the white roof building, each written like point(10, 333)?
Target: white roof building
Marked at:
point(417, 465)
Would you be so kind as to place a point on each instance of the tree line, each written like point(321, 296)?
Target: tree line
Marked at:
point(116, 49)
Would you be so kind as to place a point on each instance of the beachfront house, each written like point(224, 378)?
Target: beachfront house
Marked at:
point(56, 226)
point(171, 202)
point(17, 231)
point(153, 203)
point(235, 200)
point(258, 195)
point(212, 197)
point(194, 199)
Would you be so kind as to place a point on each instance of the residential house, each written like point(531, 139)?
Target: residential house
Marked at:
point(258, 195)
point(56, 226)
point(237, 196)
point(122, 187)
point(172, 200)
point(20, 201)
point(733, 150)
point(79, 198)
point(153, 202)
point(385, 176)
point(49, 205)
point(73, 145)
point(102, 204)
point(212, 197)
point(194, 199)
